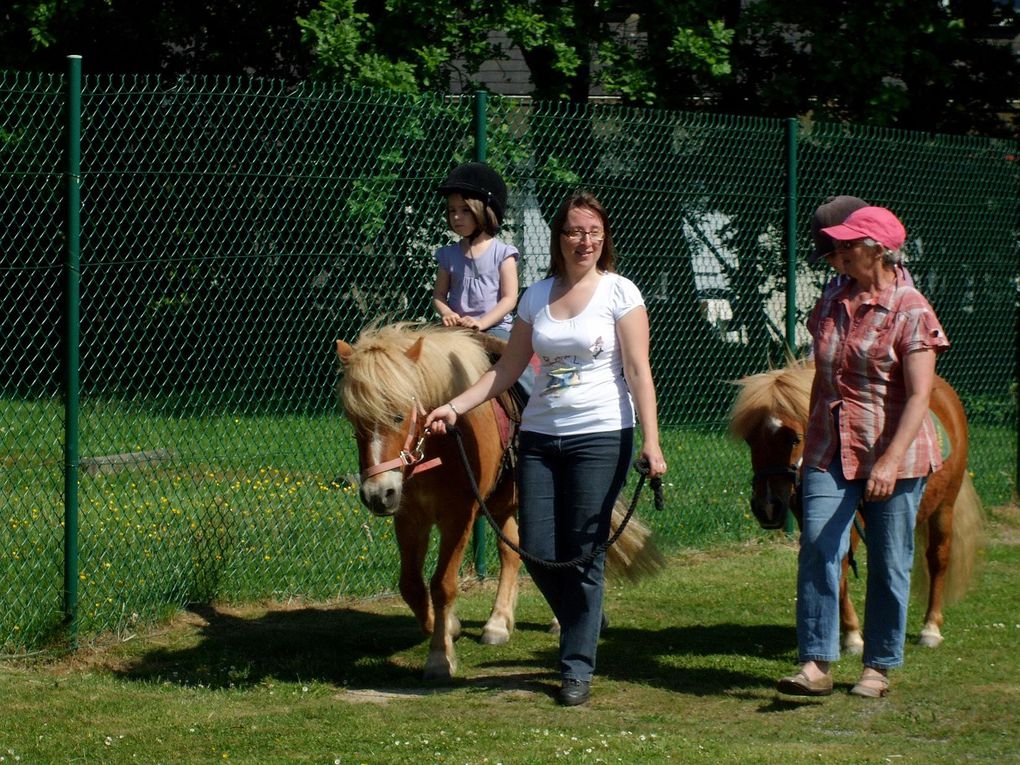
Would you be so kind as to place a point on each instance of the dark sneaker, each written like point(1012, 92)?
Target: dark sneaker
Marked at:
point(574, 692)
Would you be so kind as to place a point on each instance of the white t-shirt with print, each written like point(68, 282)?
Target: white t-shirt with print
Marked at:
point(580, 386)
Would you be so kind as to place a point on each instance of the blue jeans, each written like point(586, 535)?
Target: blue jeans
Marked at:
point(830, 502)
point(568, 485)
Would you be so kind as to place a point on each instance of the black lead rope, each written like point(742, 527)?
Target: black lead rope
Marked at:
point(860, 528)
point(851, 558)
point(642, 468)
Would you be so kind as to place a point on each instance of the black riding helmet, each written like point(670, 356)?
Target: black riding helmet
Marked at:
point(476, 180)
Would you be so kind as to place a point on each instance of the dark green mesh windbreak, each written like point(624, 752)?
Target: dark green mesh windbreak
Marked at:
point(232, 230)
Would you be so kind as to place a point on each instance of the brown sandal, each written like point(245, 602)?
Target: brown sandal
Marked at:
point(871, 687)
point(801, 685)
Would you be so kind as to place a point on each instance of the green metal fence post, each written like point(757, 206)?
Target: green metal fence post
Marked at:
point(481, 151)
point(72, 276)
point(791, 235)
point(481, 125)
point(791, 255)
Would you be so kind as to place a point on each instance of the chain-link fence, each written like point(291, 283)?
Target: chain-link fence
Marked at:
point(231, 230)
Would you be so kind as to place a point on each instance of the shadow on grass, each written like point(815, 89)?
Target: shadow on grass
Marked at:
point(669, 658)
point(361, 650)
point(336, 645)
point(346, 647)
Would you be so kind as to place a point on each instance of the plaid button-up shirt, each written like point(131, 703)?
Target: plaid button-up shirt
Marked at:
point(859, 377)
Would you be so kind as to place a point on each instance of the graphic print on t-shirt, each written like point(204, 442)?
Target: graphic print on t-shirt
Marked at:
point(565, 371)
point(565, 375)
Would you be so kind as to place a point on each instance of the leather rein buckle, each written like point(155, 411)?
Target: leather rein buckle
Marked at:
point(410, 461)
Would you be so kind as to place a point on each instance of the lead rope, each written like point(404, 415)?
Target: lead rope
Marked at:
point(851, 558)
point(582, 560)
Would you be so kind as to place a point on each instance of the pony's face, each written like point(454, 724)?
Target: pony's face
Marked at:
point(381, 444)
point(777, 448)
point(388, 424)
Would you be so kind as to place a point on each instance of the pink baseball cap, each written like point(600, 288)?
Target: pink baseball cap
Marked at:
point(831, 212)
point(875, 223)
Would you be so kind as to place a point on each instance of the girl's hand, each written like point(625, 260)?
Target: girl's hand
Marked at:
point(470, 322)
point(440, 418)
point(451, 320)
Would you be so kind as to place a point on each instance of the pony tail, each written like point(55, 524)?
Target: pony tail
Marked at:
point(635, 555)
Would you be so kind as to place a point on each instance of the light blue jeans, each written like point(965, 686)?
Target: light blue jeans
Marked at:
point(830, 502)
point(568, 485)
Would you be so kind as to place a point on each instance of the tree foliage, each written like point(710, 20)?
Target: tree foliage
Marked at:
point(243, 37)
point(937, 65)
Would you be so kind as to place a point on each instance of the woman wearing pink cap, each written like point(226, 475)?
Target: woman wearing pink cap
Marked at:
point(869, 438)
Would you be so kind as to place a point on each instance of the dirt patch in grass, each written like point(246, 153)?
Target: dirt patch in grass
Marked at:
point(1003, 524)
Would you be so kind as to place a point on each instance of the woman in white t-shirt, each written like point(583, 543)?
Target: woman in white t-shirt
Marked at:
point(589, 328)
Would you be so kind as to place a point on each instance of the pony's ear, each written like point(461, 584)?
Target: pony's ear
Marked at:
point(344, 351)
point(414, 352)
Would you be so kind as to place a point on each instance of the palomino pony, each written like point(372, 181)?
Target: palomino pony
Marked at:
point(771, 414)
point(394, 375)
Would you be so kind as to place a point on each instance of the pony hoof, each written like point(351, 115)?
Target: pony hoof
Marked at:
point(554, 627)
point(930, 638)
point(439, 669)
point(495, 636)
point(853, 644)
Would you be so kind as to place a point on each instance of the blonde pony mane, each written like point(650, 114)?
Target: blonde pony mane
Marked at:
point(783, 393)
point(380, 382)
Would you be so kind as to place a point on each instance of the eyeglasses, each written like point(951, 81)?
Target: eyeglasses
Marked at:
point(847, 244)
point(577, 234)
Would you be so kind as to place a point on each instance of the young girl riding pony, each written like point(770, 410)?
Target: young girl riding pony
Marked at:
point(476, 284)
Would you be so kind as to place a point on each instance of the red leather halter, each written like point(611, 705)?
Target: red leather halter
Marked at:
point(410, 461)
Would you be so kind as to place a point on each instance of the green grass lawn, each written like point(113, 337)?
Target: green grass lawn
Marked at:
point(242, 507)
point(686, 674)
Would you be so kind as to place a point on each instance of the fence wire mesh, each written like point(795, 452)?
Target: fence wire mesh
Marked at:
point(231, 230)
